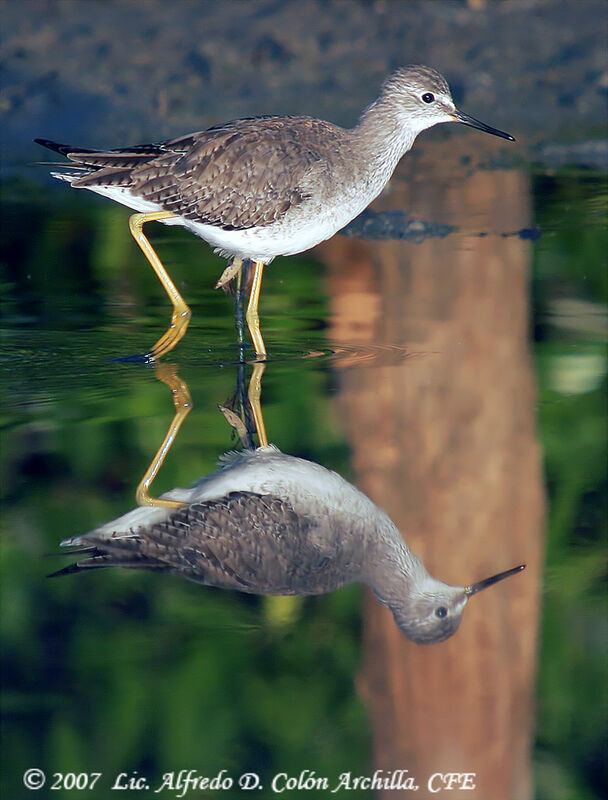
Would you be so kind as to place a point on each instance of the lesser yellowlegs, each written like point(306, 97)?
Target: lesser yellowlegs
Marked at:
point(269, 523)
point(266, 186)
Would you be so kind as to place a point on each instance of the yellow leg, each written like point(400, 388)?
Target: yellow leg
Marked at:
point(255, 395)
point(183, 405)
point(181, 313)
point(252, 316)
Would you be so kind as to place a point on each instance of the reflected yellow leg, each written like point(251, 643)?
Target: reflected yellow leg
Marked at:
point(255, 395)
point(181, 313)
point(252, 316)
point(183, 405)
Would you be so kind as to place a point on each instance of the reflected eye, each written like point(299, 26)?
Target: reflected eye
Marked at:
point(441, 612)
point(429, 98)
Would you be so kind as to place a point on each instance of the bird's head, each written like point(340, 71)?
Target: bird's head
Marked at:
point(424, 99)
point(434, 610)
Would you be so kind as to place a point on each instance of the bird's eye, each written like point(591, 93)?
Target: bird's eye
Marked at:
point(428, 97)
point(441, 612)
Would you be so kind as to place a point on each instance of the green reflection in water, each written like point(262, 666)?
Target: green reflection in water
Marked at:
point(129, 672)
point(570, 293)
point(120, 675)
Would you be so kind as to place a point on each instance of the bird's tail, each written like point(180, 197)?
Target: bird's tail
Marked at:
point(96, 558)
point(63, 149)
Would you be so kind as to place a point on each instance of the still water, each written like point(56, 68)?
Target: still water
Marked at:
point(456, 373)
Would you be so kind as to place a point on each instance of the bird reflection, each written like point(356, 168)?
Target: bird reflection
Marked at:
point(269, 523)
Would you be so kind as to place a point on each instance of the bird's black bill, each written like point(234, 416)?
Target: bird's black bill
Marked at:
point(477, 587)
point(481, 126)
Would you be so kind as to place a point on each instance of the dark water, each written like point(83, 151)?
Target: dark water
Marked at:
point(137, 673)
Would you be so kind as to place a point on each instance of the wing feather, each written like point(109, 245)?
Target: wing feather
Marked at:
point(245, 541)
point(240, 175)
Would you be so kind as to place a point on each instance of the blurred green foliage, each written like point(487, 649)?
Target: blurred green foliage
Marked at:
point(571, 361)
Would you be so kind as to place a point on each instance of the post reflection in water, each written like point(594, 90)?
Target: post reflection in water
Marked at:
point(447, 444)
point(270, 523)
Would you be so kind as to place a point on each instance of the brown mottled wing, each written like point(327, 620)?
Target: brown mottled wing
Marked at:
point(253, 543)
point(239, 175)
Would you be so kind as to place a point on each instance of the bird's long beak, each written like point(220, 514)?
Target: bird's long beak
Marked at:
point(481, 126)
point(477, 587)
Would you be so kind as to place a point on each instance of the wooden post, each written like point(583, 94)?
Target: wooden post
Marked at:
point(445, 441)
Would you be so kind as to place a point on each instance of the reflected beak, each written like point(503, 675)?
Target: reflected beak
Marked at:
point(481, 126)
point(477, 587)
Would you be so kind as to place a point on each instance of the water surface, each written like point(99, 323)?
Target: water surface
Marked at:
point(459, 380)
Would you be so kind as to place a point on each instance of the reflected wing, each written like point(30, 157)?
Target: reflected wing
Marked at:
point(245, 541)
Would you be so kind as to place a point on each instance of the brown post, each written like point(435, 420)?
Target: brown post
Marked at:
point(445, 441)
